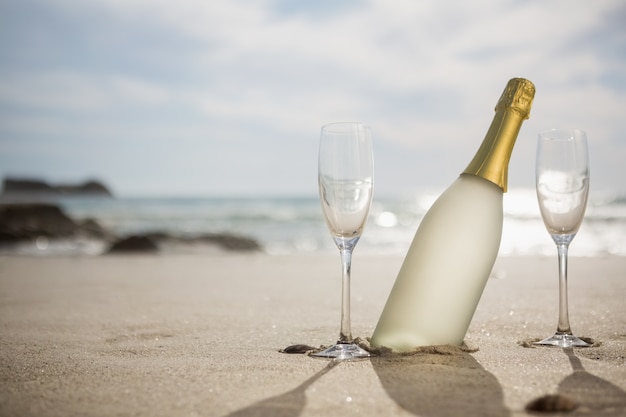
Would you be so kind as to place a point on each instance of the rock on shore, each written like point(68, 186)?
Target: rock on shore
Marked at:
point(150, 242)
point(19, 187)
point(21, 223)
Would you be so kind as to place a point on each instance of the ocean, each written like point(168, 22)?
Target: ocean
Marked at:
point(295, 225)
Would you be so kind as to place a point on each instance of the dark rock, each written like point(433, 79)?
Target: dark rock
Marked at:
point(21, 187)
point(87, 188)
point(299, 348)
point(14, 185)
point(20, 222)
point(9, 238)
point(134, 244)
point(23, 222)
point(28, 221)
point(225, 241)
point(230, 242)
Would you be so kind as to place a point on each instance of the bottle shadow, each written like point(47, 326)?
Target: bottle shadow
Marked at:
point(288, 404)
point(442, 385)
point(592, 393)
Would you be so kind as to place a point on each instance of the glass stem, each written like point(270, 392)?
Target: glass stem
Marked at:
point(563, 326)
point(345, 334)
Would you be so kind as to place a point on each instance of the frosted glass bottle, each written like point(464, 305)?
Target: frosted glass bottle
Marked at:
point(446, 268)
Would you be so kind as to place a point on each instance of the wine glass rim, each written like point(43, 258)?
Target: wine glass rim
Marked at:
point(347, 123)
point(571, 131)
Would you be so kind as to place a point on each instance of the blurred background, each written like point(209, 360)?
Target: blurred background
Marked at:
point(203, 99)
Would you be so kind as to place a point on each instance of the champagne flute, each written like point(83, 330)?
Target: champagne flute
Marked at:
point(562, 180)
point(345, 178)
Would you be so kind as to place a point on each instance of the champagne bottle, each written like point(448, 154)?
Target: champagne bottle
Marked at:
point(452, 254)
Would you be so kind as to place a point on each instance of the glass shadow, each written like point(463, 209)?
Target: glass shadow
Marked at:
point(442, 385)
point(592, 392)
point(288, 404)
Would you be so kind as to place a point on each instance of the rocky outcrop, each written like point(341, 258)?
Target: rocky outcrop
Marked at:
point(20, 222)
point(151, 242)
point(229, 241)
point(86, 188)
point(134, 244)
point(28, 222)
point(18, 187)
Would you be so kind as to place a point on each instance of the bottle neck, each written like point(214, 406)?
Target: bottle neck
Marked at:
point(491, 162)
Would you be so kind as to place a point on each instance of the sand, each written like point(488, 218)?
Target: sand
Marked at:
point(199, 335)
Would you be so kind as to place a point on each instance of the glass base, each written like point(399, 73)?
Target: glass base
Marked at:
point(342, 351)
point(563, 340)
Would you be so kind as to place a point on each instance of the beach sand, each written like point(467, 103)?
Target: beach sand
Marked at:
point(199, 335)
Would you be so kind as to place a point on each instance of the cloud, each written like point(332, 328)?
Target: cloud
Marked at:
point(225, 78)
point(77, 91)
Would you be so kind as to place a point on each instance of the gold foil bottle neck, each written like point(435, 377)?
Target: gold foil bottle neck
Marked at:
point(517, 96)
point(491, 162)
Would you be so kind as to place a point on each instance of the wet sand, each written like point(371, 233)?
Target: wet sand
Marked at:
point(178, 335)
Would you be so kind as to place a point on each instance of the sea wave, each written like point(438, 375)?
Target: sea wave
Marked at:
point(287, 225)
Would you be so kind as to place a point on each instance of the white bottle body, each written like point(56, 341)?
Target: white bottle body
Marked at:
point(446, 268)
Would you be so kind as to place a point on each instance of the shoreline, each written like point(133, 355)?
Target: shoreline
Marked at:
point(277, 225)
point(172, 335)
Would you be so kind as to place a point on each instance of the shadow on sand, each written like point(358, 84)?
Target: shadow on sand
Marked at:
point(593, 394)
point(288, 404)
point(442, 385)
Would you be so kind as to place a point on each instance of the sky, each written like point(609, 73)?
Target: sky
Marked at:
point(208, 97)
